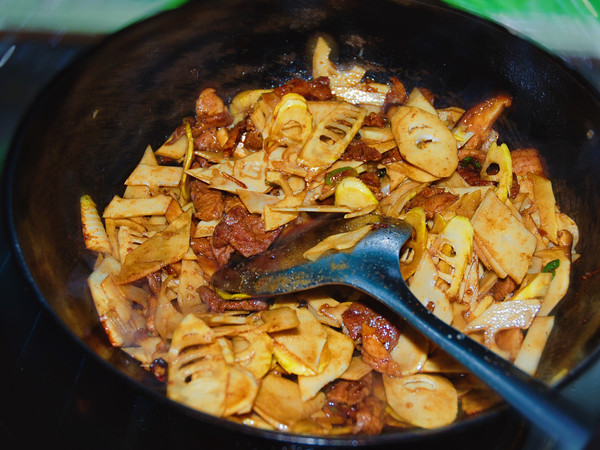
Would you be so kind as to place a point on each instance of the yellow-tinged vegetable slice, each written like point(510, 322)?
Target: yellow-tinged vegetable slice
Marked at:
point(418, 100)
point(478, 400)
point(424, 141)
point(114, 310)
point(504, 236)
point(427, 401)
point(330, 137)
point(410, 352)
point(300, 350)
point(533, 286)
point(247, 173)
point(353, 193)
point(279, 403)
point(271, 216)
point(560, 281)
point(441, 362)
point(316, 301)
point(198, 373)
point(356, 370)
point(544, 199)
point(341, 347)
point(453, 248)
point(242, 389)
point(154, 175)
point(423, 285)
point(279, 319)
point(500, 155)
point(243, 102)
point(417, 242)
point(121, 208)
point(175, 150)
point(191, 278)
point(504, 315)
point(410, 171)
point(165, 247)
point(253, 351)
point(187, 163)
point(341, 241)
point(292, 122)
point(94, 234)
point(534, 343)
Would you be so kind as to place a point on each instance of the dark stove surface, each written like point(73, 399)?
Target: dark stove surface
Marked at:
point(51, 393)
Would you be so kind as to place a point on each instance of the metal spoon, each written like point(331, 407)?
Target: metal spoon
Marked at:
point(372, 266)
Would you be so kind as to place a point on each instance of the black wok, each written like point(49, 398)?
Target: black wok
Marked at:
point(90, 127)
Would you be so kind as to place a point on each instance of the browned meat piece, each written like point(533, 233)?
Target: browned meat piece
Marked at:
point(373, 119)
point(210, 113)
point(371, 179)
point(396, 96)
point(472, 177)
point(391, 156)
point(222, 254)
point(209, 257)
point(216, 304)
point(469, 168)
point(428, 95)
point(246, 129)
point(199, 162)
point(235, 136)
point(358, 314)
point(369, 416)
point(359, 151)
point(208, 104)
point(515, 188)
point(207, 141)
point(159, 368)
point(254, 139)
point(208, 202)
point(373, 182)
point(510, 340)
point(217, 121)
point(202, 247)
point(433, 200)
point(565, 241)
point(480, 118)
point(353, 401)
point(375, 334)
point(154, 282)
point(350, 392)
point(527, 160)
point(317, 89)
point(376, 355)
point(502, 288)
point(245, 232)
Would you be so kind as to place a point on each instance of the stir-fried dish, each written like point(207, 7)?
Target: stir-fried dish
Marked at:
point(490, 253)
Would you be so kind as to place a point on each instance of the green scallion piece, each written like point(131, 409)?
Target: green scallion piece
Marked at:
point(333, 173)
point(551, 267)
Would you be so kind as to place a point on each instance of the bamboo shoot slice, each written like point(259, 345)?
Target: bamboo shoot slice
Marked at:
point(424, 141)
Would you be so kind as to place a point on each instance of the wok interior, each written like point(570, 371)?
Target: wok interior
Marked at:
point(90, 128)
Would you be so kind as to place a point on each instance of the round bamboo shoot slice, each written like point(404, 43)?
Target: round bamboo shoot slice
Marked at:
point(424, 141)
point(427, 401)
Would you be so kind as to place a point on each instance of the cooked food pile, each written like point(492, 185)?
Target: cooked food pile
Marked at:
point(490, 253)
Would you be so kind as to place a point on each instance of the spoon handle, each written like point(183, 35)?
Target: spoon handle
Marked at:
point(533, 399)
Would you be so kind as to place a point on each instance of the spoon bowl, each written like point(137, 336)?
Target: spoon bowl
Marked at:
point(372, 266)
